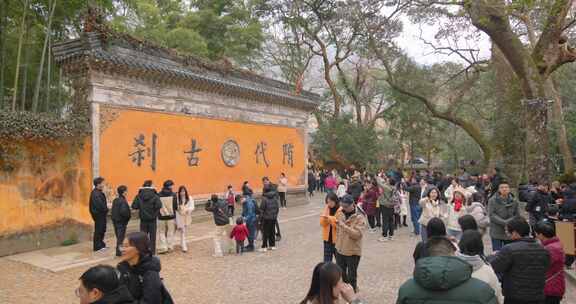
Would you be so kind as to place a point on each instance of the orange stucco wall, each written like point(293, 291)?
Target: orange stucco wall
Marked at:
point(174, 135)
point(51, 183)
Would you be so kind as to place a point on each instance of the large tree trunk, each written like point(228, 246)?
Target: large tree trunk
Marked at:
point(491, 17)
point(558, 116)
point(508, 124)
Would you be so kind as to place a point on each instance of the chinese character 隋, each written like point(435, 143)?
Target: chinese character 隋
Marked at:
point(288, 154)
point(261, 151)
point(192, 158)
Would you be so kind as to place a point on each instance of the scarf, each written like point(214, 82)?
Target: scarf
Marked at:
point(457, 204)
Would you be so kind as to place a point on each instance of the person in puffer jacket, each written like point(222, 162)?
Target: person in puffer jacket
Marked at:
point(522, 265)
point(269, 209)
point(148, 203)
point(443, 278)
point(478, 211)
point(555, 280)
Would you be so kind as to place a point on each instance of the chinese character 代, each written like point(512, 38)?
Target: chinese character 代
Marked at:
point(261, 151)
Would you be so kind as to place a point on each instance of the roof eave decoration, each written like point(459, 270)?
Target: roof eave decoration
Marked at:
point(91, 50)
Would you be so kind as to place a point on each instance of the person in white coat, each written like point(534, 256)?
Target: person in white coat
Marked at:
point(456, 209)
point(472, 251)
point(186, 206)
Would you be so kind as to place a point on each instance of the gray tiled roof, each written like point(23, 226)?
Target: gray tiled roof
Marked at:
point(123, 54)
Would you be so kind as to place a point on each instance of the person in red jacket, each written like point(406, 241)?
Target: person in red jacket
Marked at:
point(370, 197)
point(555, 281)
point(239, 233)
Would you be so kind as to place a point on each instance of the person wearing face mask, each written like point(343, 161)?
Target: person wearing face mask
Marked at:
point(100, 285)
point(140, 271)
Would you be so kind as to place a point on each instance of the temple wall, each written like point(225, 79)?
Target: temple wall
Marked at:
point(44, 187)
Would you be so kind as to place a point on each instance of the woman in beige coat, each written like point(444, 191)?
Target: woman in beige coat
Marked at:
point(432, 206)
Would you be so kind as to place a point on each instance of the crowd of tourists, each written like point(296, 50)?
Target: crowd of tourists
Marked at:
point(452, 214)
point(164, 215)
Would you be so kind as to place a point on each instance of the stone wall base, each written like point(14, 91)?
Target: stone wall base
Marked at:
point(49, 236)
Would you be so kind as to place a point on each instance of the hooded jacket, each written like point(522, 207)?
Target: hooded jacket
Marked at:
point(120, 295)
point(148, 203)
point(270, 207)
point(482, 271)
point(143, 279)
point(445, 280)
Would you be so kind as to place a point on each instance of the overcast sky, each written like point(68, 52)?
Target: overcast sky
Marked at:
point(411, 43)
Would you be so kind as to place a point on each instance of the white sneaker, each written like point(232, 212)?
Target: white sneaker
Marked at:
point(382, 239)
point(390, 238)
point(262, 250)
point(273, 248)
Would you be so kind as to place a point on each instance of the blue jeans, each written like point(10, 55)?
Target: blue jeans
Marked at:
point(498, 244)
point(423, 233)
point(415, 212)
point(251, 225)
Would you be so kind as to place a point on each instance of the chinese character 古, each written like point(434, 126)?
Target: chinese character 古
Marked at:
point(192, 158)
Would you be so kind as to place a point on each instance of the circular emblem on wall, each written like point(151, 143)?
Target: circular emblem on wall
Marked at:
point(230, 153)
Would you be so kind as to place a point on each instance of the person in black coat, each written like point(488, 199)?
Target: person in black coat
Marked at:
point(100, 285)
point(269, 209)
point(522, 265)
point(311, 183)
point(140, 270)
point(246, 190)
point(148, 203)
point(120, 217)
point(539, 204)
point(98, 211)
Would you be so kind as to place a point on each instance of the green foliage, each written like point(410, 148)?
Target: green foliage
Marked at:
point(27, 125)
point(213, 29)
point(358, 145)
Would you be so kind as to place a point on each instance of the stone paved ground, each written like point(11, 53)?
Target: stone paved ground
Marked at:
point(282, 276)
